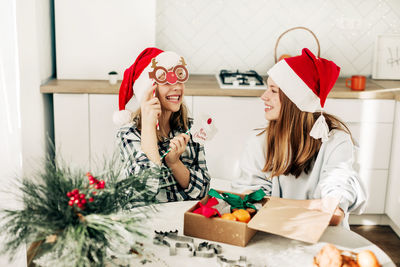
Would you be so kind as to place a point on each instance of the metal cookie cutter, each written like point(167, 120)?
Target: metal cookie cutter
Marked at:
point(241, 262)
point(172, 240)
point(207, 250)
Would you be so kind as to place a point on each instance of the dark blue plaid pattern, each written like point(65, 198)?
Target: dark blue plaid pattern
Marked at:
point(165, 188)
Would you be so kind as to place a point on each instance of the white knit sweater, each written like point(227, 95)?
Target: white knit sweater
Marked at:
point(332, 175)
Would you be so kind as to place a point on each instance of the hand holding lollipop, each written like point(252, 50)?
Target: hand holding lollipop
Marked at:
point(203, 129)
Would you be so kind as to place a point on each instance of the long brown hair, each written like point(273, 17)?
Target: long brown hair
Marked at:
point(289, 146)
point(178, 121)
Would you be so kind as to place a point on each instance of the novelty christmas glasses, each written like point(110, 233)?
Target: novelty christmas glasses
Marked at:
point(161, 75)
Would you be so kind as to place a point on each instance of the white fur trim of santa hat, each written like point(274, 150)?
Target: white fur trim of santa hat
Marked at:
point(294, 87)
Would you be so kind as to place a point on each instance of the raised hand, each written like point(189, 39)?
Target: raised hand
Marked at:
point(150, 108)
point(177, 146)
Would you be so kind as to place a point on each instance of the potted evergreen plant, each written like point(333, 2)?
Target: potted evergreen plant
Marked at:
point(112, 77)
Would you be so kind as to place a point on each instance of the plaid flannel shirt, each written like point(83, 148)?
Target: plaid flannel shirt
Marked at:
point(165, 188)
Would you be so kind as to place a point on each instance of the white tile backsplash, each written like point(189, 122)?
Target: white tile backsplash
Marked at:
point(239, 34)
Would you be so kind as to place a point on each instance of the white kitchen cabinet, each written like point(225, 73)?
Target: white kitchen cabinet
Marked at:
point(235, 118)
point(71, 128)
point(375, 182)
point(102, 129)
point(361, 110)
point(371, 124)
point(372, 160)
point(94, 37)
point(373, 144)
point(393, 189)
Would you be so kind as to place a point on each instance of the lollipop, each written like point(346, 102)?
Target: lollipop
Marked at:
point(203, 129)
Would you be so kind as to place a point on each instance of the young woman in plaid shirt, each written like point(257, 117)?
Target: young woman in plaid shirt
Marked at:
point(157, 79)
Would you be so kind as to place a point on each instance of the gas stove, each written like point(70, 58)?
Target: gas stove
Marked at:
point(240, 80)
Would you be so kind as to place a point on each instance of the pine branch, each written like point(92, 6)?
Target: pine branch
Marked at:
point(71, 236)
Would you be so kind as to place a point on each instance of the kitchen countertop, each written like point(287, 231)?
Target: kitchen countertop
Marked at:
point(207, 85)
point(397, 96)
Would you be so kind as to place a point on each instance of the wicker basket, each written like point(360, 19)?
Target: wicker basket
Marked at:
point(291, 29)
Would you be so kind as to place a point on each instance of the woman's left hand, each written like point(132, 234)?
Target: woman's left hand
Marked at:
point(337, 217)
point(177, 146)
point(338, 214)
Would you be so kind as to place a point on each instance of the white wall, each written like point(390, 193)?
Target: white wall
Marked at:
point(45, 37)
point(25, 61)
point(33, 68)
point(97, 36)
point(215, 34)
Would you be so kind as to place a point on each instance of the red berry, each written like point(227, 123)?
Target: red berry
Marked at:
point(71, 203)
point(69, 194)
point(102, 184)
point(91, 199)
point(83, 201)
point(91, 177)
point(98, 186)
point(94, 193)
point(209, 121)
point(75, 191)
point(88, 174)
point(91, 182)
point(72, 198)
point(77, 201)
point(82, 196)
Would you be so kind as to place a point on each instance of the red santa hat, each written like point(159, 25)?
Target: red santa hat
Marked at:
point(139, 78)
point(307, 81)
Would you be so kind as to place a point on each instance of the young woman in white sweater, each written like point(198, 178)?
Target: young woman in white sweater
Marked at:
point(303, 153)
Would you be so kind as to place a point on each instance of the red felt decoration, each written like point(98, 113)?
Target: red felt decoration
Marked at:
point(207, 209)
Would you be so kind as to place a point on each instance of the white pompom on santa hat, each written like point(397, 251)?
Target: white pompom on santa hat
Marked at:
point(137, 82)
point(307, 80)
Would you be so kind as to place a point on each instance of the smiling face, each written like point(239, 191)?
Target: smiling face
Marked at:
point(171, 96)
point(272, 102)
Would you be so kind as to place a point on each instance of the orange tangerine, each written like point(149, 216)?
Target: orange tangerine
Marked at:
point(284, 56)
point(242, 215)
point(228, 216)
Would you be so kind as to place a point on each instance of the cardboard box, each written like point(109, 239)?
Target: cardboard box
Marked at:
point(217, 229)
point(296, 219)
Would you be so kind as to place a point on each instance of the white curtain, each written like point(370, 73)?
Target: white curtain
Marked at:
point(10, 128)
point(10, 117)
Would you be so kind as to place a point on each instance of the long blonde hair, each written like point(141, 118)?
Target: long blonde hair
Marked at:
point(178, 121)
point(289, 146)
